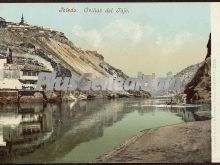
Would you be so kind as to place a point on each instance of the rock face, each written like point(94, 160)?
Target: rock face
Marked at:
point(163, 86)
point(187, 74)
point(199, 88)
point(52, 50)
point(55, 48)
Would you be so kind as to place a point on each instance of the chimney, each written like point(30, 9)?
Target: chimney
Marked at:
point(9, 56)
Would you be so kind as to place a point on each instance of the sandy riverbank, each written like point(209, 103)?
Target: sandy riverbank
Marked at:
point(186, 142)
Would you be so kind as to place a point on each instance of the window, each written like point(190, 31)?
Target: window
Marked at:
point(25, 73)
point(29, 73)
point(34, 73)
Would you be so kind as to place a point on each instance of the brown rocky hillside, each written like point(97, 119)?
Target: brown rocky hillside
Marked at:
point(54, 47)
point(199, 88)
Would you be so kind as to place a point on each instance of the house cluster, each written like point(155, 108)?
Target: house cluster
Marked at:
point(151, 76)
point(3, 23)
point(17, 76)
point(16, 72)
point(22, 26)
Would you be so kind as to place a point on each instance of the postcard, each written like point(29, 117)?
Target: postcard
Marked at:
point(109, 82)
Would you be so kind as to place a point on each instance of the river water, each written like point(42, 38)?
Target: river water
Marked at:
point(81, 132)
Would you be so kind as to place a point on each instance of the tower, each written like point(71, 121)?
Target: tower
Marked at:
point(22, 19)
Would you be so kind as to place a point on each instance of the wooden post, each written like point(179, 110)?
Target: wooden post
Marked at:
point(18, 97)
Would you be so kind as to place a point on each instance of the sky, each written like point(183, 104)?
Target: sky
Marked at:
point(150, 38)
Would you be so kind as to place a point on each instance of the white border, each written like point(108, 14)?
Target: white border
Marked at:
point(215, 69)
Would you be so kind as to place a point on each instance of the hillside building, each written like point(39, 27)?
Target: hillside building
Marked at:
point(149, 76)
point(2, 23)
point(19, 76)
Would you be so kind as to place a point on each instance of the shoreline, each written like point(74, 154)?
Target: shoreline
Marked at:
point(113, 155)
point(179, 143)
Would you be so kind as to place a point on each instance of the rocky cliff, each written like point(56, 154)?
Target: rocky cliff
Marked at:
point(170, 85)
point(31, 44)
point(187, 74)
point(199, 88)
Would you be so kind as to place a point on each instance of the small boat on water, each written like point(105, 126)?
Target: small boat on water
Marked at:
point(137, 95)
point(123, 95)
point(69, 97)
point(111, 96)
point(90, 97)
point(82, 97)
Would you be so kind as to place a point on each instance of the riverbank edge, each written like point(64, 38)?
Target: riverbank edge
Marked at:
point(124, 153)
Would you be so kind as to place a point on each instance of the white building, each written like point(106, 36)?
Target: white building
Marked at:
point(29, 75)
point(14, 76)
point(2, 62)
point(10, 77)
point(7, 76)
point(169, 74)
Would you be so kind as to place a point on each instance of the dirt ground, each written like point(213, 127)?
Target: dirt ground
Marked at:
point(181, 143)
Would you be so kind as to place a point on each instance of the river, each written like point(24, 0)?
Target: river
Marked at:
point(81, 132)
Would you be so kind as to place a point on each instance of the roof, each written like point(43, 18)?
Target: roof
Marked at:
point(2, 57)
point(2, 19)
point(33, 68)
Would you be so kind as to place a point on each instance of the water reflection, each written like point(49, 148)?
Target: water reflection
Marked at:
point(62, 130)
point(23, 128)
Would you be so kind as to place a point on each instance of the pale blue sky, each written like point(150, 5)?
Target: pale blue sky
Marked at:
point(155, 28)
